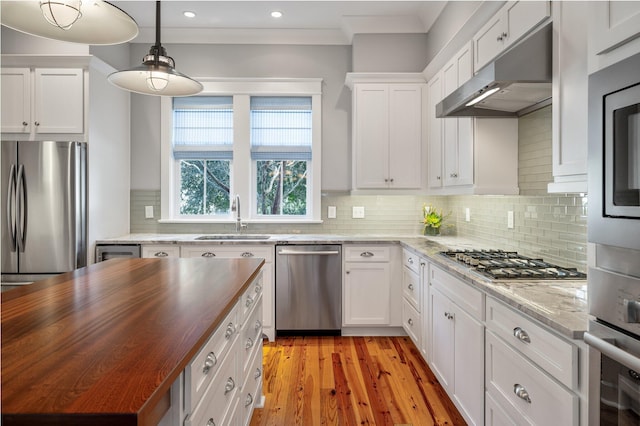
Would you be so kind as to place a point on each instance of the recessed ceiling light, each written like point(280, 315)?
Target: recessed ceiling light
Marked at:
point(189, 14)
point(276, 14)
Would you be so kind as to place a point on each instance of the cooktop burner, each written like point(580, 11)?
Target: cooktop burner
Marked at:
point(499, 264)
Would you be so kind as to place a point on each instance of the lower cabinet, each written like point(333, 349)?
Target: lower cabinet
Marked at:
point(412, 296)
point(165, 250)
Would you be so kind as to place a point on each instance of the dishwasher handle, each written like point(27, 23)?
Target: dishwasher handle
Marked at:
point(307, 253)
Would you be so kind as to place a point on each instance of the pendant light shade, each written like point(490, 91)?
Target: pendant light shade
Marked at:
point(157, 74)
point(92, 22)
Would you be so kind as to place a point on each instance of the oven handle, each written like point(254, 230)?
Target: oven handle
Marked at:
point(612, 351)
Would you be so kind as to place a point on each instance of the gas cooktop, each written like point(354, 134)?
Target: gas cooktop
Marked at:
point(499, 264)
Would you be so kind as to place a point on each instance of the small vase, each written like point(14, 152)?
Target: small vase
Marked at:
point(431, 231)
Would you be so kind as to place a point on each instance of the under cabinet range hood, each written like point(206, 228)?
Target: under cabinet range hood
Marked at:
point(517, 82)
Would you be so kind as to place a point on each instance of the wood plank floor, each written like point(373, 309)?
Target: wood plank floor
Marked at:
point(350, 381)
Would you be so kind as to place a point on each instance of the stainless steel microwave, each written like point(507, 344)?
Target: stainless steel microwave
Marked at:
point(614, 155)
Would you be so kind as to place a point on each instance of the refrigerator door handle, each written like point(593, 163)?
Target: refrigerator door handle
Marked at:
point(11, 208)
point(21, 209)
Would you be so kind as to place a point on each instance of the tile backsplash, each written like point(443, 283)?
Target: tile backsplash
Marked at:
point(550, 226)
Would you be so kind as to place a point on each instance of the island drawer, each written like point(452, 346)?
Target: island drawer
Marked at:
point(251, 393)
point(553, 354)
point(206, 364)
point(251, 337)
point(523, 390)
point(376, 253)
point(250, 298)
point(215, 405)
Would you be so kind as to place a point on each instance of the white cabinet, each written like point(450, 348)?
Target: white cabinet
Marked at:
point(157, 250)
point(457, 340)
point(43, 101)
point(240, 250)
point(512, 22)
point(387, 134)
point(613, 24)
point(370, 297)
point(570, 97)
point(463, 151)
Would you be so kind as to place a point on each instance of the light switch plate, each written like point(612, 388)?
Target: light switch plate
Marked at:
point(510, 219)
point(331, 212)
point(148, 212)
point(467, 214)
point(358, 212)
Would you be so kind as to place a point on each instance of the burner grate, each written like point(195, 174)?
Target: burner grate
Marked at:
point(499, 264)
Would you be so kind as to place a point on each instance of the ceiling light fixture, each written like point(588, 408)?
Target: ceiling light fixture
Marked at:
point(276, 14)
point(92, 22)
point(189, 14)
point(157, 74)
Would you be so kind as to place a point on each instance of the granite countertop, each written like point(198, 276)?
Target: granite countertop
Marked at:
point(559, 304)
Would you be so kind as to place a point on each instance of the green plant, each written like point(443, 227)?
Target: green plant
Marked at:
point(432, 217)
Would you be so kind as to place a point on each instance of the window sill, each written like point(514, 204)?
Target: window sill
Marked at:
point(247, 221)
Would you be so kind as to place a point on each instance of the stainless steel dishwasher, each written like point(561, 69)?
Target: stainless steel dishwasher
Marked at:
point(308, 289)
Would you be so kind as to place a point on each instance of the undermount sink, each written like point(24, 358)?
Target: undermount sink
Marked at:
point(233, 237)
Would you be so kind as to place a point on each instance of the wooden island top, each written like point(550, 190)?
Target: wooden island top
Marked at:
point(103, 345)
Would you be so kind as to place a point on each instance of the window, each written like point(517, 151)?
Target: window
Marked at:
point(259, 139)
point(281, 146)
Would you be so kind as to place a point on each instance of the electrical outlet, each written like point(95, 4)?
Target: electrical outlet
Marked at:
point(510, 219)
point(331, 212)
point(148, 212)
point(358, 213)
point(467, 214)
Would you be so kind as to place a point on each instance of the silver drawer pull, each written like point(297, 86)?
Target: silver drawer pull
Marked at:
point(249, 343)
point(229, 386)
point(410, 286)
point(161, 254)
point(208, 254)
point(366, 254)
point(258, 288)
point(248, 400)
point(247, 254)
point(209, 363)
point(521, 392)
point(410, 321)
point(211, 422)
point(521, 335)
point(249, 301)
point(258, 325)
point(410, 260)
point(257, 374)
point(230, 330)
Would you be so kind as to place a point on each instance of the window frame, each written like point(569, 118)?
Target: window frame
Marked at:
point(243, 168)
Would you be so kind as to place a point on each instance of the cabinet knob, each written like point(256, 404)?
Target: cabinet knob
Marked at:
point(386, 180)
point(230, 330)
point(410, 287)
point(229, 386)
point(161, 254)
point(391, 180)
point(249, 343)
point(410, 260)
point(410, 321)
point(208, 254)
point(257, 374)
point(521, 335)
point(24, 123)
point(210, 422)
point(249, 301)
point(521, 392)
point(209, 363)
point(248, 400)
point(448, 315)
point(438, 178)
point(453, 175)
point(247, 254)
point(37, 123)
point(258, 325)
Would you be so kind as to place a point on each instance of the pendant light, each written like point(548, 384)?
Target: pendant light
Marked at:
point(157, 74)
point(90, 22)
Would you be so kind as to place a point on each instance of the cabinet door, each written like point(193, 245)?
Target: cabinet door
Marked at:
point(468, 365)
point(441, 338)
point(16, 100)
point(405, 136)
point(435, 131)
point(488, 42)
point(59, 100)
point(523, 16)
point(366, 294)
point(614, 23)
point(371, 135)
point(570, 84)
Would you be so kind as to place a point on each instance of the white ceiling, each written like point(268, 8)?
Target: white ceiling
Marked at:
point(303, 22)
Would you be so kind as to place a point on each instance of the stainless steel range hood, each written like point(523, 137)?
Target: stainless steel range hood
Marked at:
point(518, 81)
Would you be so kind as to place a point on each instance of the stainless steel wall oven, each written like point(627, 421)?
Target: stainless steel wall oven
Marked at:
point(614, 227)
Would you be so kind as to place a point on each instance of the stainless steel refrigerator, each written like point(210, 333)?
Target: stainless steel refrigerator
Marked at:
point(44, 218)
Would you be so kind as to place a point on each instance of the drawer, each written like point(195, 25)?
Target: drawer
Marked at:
point(525, 391)
point(462, 294)
point(250, 298)
point(227, 251)
point(377, 253)
point(411, 261)
point(251, 391)
point(553, 354)
point(251, 336)
point(495, 415)
point(205, 365)
point(411, 322)
point(411, 288)
point(216, 403)
point(161, 251)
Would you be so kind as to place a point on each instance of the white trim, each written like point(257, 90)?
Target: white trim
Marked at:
point(386, 78)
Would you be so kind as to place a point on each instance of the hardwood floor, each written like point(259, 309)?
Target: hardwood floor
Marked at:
point(350, 381)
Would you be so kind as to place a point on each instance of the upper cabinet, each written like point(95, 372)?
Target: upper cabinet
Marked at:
point(387, 131)
point(40, 102)
point(463, 151)
point(570, 89)
point(614, 32)
point(512, 22)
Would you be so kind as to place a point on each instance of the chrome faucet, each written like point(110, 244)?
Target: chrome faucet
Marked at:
point(235, 207)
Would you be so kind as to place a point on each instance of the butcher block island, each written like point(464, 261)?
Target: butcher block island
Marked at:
point(135, 342)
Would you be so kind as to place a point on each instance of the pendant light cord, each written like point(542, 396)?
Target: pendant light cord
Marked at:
point(158, 46)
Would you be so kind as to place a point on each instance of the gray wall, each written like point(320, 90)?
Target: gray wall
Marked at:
point(390, 52)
